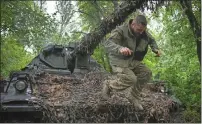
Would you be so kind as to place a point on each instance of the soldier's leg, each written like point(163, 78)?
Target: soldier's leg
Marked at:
point(143, 74)
point(125, 79)
point(122, 79)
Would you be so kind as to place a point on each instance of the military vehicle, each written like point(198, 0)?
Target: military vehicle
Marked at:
point(80, 101)
point(17, 92)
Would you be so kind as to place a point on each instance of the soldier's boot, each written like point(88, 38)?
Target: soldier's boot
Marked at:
point(136, 92)
point(106, 90)
point(139, 88)
point(136, 103)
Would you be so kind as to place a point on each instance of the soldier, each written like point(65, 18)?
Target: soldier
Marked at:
point(127, 46)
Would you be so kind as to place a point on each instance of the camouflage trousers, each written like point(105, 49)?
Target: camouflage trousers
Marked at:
point(134, 78)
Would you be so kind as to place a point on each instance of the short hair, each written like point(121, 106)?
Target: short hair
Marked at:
point(141, 19)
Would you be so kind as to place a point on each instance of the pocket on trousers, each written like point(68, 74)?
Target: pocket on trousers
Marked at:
point(117, 69)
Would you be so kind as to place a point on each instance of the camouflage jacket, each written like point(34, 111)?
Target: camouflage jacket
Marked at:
point(122, 36)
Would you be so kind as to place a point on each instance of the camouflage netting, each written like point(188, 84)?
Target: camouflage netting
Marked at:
point(77, 98)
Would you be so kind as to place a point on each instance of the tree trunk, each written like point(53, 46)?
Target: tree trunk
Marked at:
point(186, 5)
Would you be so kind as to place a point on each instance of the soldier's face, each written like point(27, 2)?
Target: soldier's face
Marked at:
point(138, 28)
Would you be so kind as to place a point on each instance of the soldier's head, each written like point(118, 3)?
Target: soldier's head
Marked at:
point(139, 24)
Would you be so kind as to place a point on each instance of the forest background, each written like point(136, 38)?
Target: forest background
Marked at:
point(26, 27)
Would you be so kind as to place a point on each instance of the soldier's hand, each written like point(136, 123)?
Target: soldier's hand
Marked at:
point(125, 51)
point(158, 53)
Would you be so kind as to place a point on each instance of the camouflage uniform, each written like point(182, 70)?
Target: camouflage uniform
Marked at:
point(129, 69)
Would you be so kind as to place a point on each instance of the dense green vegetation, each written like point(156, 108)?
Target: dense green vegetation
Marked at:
point(25, 25)
point(179, 65)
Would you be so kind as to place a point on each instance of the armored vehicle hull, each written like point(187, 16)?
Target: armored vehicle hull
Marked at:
point(58, 87)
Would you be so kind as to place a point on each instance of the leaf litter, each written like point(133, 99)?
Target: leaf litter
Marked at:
point(77, 98)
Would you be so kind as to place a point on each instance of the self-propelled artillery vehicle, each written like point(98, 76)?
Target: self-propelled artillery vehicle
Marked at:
point(17, 91)
point(74, 95)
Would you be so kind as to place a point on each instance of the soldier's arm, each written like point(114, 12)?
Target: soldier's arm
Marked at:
point(113, 44)
point(152, 43)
